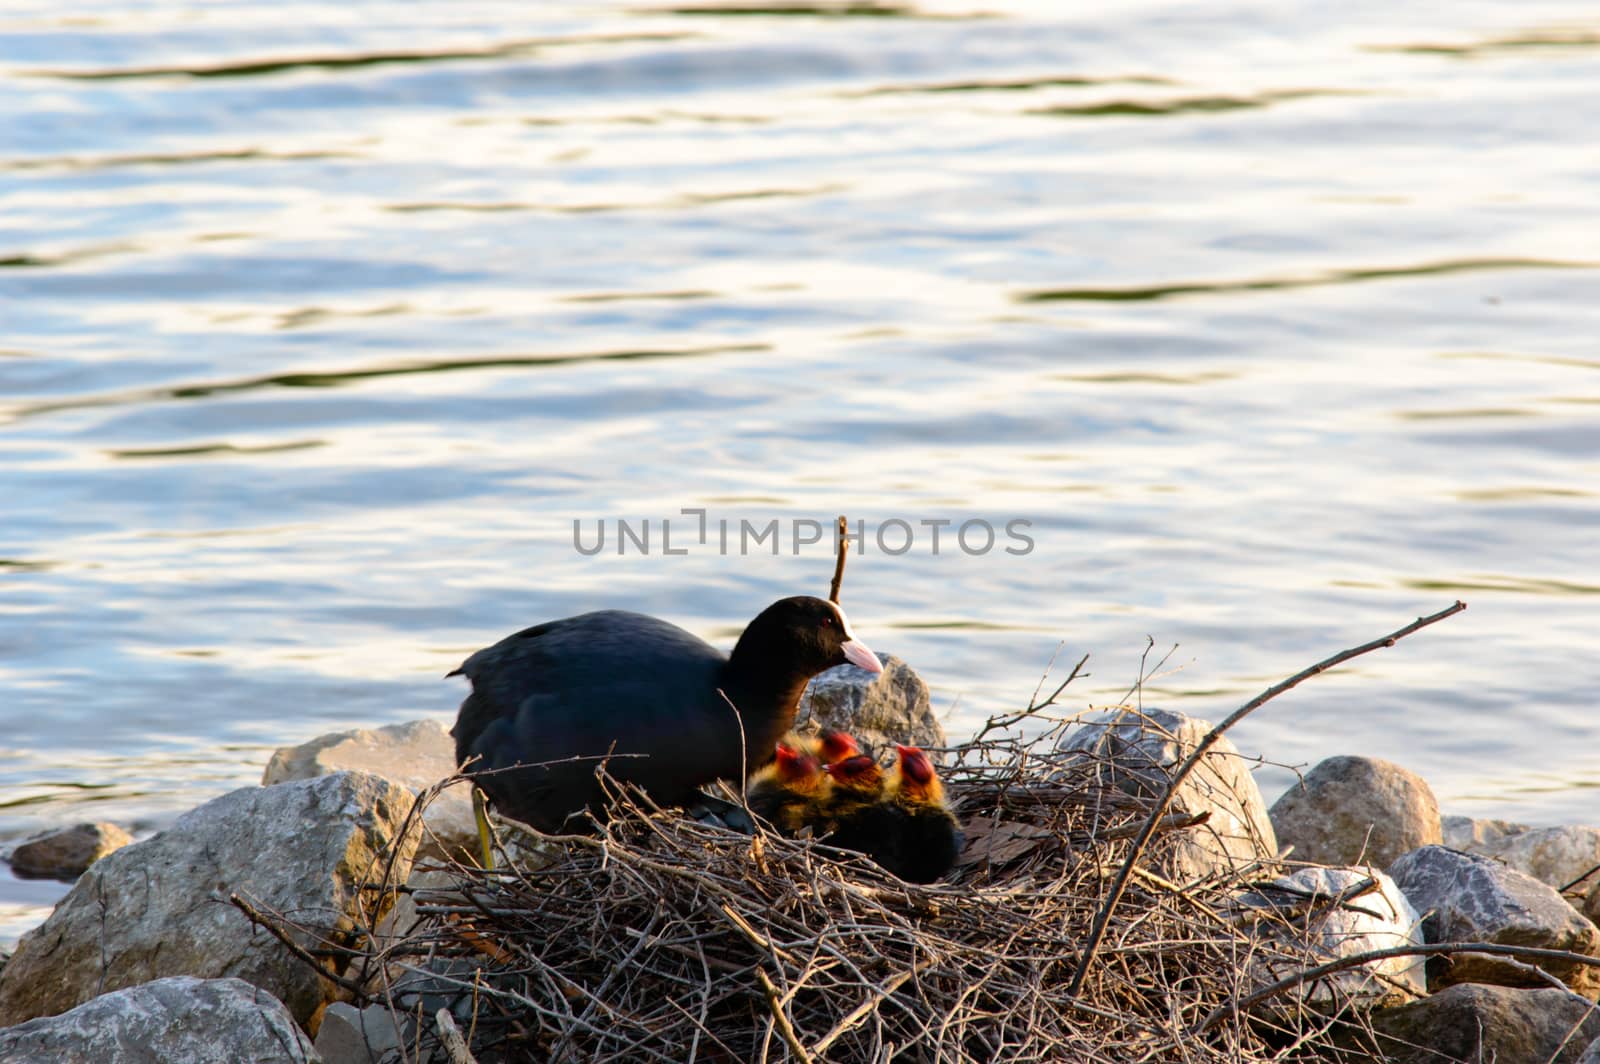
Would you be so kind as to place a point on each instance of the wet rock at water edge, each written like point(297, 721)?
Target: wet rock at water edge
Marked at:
point(66, 853)
point(1467, 898)
point(1350, 810)
point(160, 907)
point(1557, 856)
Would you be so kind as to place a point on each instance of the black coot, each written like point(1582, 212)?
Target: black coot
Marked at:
point(622, 683)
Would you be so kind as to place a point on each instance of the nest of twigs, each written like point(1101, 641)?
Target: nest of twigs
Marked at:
point(662, 938)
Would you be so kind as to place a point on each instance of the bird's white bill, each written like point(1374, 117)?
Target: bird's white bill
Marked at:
point(857, 653)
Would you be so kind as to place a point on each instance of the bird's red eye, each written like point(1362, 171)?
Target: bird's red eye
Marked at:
point(827, 622)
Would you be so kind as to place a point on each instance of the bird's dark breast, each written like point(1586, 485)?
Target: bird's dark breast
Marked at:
point(608, 683)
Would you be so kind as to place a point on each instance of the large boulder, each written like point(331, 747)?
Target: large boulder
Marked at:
point(1471, 1022)
point(1467, 898)
point(1356, 809)
point(877, 708)
point(65, 853)
point(160, 907)
point(1315, 915)
point(417, 754)
point(1140, 750)
point(196, 1021)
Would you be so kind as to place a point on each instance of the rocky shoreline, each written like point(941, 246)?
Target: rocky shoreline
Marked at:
point(155, 954)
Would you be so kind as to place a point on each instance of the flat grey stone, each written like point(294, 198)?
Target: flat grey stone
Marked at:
point(181, 1020)
point(349, 1035)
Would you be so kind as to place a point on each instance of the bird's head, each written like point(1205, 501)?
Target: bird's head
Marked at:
point(794, 765)
point(860, 773)
point(918, 780)
point(805, 635)
point(835, 746)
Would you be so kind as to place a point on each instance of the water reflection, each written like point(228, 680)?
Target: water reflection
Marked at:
point(320, 332)
point(335, 63)
point(1140, 293)
point(335, 378)
point(1181, 105)
point(1558, 39)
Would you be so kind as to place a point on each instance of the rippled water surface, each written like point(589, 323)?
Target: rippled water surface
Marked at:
point(321, 323)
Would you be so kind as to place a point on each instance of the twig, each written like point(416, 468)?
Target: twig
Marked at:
point(1168, 823)
point(744, 757)
point(257, 918)
point(785, 1028)
point(757, 939)
point(1035, 706)
point(455, 1045)
point(856, 1015)
point(1580, 879)
point(1103, 917)
point(842, 541)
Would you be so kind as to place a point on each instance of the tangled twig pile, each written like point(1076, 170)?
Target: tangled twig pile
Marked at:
point(659, 937)
point(663, 938)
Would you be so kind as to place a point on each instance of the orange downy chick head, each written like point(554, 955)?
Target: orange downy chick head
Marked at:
point(918, 780)
point(793, 765)
point(859, 773)
point(836, 746)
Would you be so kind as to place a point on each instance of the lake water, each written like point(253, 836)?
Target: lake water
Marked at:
point(321, 323)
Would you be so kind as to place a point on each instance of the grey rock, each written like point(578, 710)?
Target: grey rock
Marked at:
point(877, 708)
point(1140, 751)
point(1590, 1055)
point(1472, 1022)
point(1356, 809)
point(1557, 856)
point(66, 853)
point(195, 1021)
point(417, 754)
point(349, 1035)
point(160, 907)
point(1302, 933)
point(1467, 898)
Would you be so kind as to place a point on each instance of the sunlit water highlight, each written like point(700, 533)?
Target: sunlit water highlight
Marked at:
point(320, 324)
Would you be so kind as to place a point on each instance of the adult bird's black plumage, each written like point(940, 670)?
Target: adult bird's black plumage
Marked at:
point(616, 684)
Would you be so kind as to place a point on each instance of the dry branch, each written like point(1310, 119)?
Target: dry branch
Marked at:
point(1103, 917)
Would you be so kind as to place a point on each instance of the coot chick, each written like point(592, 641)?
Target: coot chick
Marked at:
point(790, 792)
point(855, 816)
point(929, 833)
point(646, 694)
point(829, 747)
